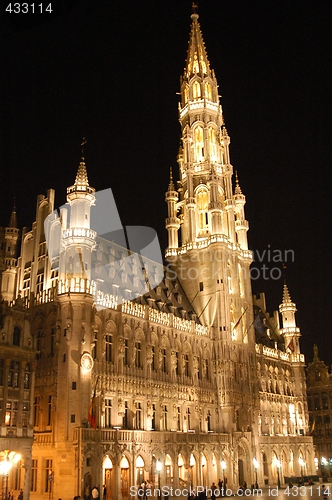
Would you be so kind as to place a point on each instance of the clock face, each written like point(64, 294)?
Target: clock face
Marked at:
point(86, 361)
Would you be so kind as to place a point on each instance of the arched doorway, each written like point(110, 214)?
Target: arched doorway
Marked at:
point(124, 466)
point(87, 485)
point(193, 474)
point(242, 466)
point(108, 477)
point(182, 470)
point(139, 470)
point(168, 469)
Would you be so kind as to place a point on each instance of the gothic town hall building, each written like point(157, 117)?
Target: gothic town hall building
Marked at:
point(190, 382)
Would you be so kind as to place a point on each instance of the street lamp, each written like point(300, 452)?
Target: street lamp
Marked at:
point(158, 467)
point(323, 463)
point(278, 464)
point(255, 462)
point(9, 459)
point(223, 466)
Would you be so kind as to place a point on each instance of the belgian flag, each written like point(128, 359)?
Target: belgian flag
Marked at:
point(92, 415)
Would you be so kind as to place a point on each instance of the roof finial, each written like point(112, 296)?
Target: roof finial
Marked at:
point(84, 141)
point(13, 217)
point(171, 183)
point(316, 358)
point(194, 7)
point(237, 185)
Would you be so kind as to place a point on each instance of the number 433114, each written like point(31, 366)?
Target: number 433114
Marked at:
point(29, 8)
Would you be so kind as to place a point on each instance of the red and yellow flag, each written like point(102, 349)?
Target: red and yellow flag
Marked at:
point(92, 415)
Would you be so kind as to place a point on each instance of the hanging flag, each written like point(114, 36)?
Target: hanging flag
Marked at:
point(291, 346)
point(313, 426)
point(258, 324)
point(238, 321)
point(92, 415)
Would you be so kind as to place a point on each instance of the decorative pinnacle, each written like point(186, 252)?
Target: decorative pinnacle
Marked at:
point(237, 186)
point(197, 59)
point(194, 7)
point(81, 184)
point(316, 358)
point(286, 299)
point(171, 183)
point(13, 218)
point(84, 141)
point(82, 175)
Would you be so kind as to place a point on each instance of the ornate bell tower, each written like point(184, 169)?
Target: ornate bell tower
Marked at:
point(212, 259)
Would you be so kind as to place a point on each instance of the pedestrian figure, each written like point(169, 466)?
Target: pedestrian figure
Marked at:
point(104, 492)
point(213, 491)
point(95, 492)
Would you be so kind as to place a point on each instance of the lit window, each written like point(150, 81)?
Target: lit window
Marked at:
point(196, 90)
point(199, 144)
point(208, 90)
point(202, 206)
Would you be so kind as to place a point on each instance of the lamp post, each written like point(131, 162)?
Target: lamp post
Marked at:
point(9, 459)
point(223, 466)
point(255, 462)
point(278, 470)
point(158, 467)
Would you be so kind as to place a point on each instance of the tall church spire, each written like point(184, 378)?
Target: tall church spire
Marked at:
point(197, 59)
point(211, 216)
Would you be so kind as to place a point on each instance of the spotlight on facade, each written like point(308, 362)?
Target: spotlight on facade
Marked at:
point(158, 468)
point(278, 464)
point(255, 462)
point(223, 466)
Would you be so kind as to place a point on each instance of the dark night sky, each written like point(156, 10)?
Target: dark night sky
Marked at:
point(110, 71)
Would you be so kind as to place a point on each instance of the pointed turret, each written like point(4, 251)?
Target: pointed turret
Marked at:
point(9, 275)
point(77, 236)
point(241, 224)
point(81, 186)
point(172, 222)
point(197, 59)
point(289, 330)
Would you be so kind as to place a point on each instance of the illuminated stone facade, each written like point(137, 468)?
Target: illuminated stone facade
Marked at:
point(17, 372)
point(319, 384)
point(178, 375)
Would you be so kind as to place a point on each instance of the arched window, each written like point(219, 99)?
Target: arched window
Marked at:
point(199, 144)
point(202, 206)
point(13, 374)
point(208, 90)
point(17, 335)
point(196, 90)
point(138, 354)
point(212, 144)
point(185, 94)
point(109, 347)
point(195, 65)
point(27, 376)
